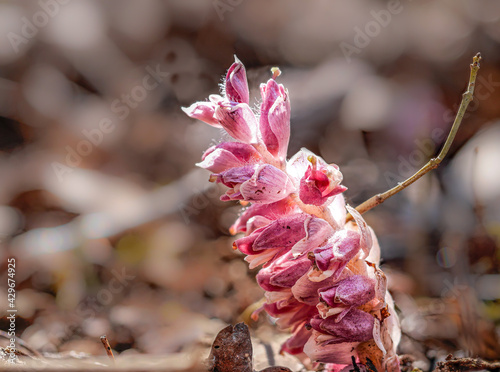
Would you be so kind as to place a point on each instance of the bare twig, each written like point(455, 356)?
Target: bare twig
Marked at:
point(434, 162)
point(107, 347)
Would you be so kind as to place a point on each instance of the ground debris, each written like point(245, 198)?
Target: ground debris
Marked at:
point(466, 364)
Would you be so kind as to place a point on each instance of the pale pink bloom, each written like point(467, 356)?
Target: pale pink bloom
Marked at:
point(366, 236)
point(204, 111)
point(275, 118)
point(307, 291)
point(267, 185)
point(355, 326)
point(346, 294)
point(316, 180)
point(292, 315)
point(283, 272)
point(319, 350)
point(317, 232)
point(280, 234)
point(295, 344)
point(254, 183)
point(238, 120)
point(269, 212)
point(334, 256)
point(236, 85)
point(229, 155)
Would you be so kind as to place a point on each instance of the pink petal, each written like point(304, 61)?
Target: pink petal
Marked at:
point(317, 232)
point(279, 122)
point(295, 344)
point(245, 244)
point(320, 182)
point(256, 222)
point(320, 350)
point(334, 256)
point(356, 326)
point(267, 185)
point(355, 290)
point(229, 155)
point(306, 291)
point(235, 176)
point(317, 181)
point(236, 86)
point(323, 257)
point(346, 244)
point(337, 209)
point(268, 211)
point(366, 236)
point(282, 233)
point(260, 258)
point(238, 120)
point(204, 111)
point(275, 118)
point(282, 273)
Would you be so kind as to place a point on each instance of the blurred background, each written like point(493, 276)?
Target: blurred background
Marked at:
point(115, 232)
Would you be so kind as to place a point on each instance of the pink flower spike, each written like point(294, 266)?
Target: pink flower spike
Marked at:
point(229, 155)
point(267, 185)
point(275, 118)
point(319, 272)
point(204, 111)
point(238, 120)
point(236, 86)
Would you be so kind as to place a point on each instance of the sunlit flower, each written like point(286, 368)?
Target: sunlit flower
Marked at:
point(319, 273)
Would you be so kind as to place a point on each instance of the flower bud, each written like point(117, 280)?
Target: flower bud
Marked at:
point(236, 85)
point(267, 185)
point(229, 155)
point(204, 111)
point(275, 118)
point(238, 120)
point(317, 181)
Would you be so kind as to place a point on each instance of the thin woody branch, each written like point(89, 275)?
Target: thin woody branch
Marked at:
point(107, 347)
point(434, 162)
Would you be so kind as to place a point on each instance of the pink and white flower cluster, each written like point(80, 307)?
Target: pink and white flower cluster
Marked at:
point(320, 273)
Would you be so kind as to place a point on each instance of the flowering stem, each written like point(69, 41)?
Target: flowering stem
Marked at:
point(434, 162)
